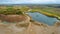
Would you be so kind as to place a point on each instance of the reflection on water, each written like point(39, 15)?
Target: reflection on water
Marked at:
point(42, 18)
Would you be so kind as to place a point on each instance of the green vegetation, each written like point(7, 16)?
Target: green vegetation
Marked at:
point(10, 10)
point(13, 10)
point(48, 10)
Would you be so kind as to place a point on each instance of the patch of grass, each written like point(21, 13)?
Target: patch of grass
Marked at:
point(10, 10)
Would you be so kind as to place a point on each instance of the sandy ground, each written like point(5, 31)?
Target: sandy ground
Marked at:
point(31, 28)
point(28, 27)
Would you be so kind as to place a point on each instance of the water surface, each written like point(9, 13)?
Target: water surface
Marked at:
point(42, 18)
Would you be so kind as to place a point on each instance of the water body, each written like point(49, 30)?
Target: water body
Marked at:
point(42, 18)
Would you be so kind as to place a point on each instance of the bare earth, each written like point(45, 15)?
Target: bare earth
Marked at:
point(28, 27)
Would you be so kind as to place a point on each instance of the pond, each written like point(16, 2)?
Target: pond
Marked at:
point(42, 18)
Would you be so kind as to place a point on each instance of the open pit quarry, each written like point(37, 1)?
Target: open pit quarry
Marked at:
point(18, 24)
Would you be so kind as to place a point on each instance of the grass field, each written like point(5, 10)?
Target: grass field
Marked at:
point(49, 10)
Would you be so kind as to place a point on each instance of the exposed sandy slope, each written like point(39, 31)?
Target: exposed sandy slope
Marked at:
point(13, 18)
point(28, 27)
point(20, 29)
point(57, 28)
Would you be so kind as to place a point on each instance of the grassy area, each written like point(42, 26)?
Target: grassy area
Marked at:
point(49, 11)
point(12, 10)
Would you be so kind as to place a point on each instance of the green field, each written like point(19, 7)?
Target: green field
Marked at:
point(49, 10)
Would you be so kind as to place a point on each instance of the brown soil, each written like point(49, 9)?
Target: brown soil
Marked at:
point(12, 18)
